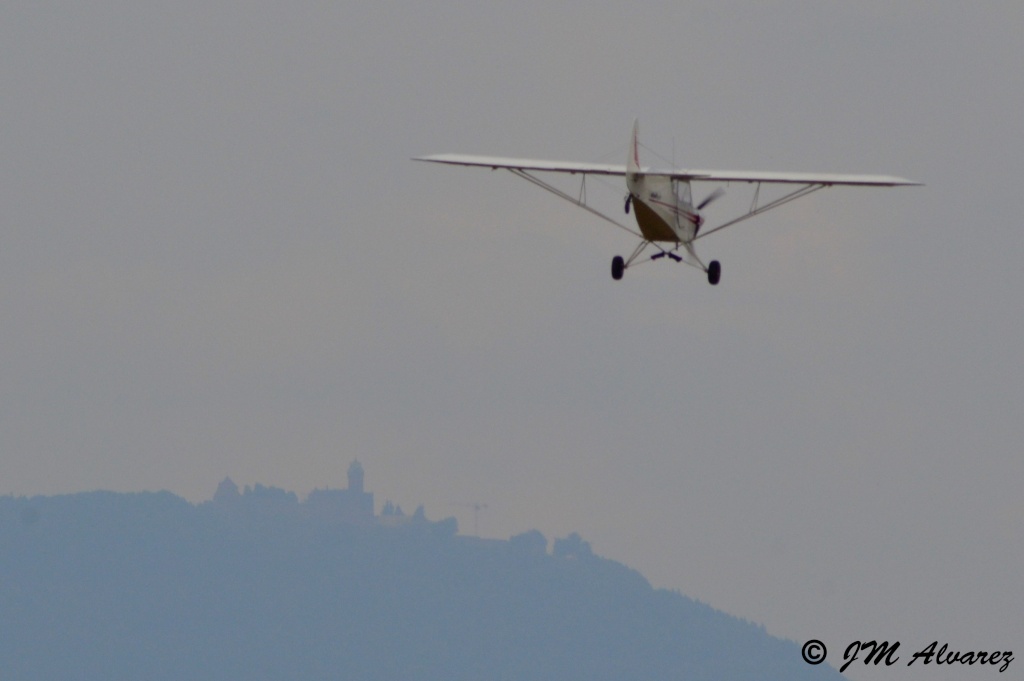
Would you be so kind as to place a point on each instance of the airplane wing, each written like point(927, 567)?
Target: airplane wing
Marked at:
point(495, 162)
point(826, 179)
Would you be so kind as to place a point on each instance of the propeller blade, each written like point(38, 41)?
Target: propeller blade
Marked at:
point(713, 196)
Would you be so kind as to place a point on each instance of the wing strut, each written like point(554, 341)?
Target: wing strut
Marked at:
point(757, 210)
point(581, 201)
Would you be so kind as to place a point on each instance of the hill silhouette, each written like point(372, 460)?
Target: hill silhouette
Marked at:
point(257, 585)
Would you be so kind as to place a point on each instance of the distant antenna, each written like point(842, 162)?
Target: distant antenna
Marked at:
point(477, 507)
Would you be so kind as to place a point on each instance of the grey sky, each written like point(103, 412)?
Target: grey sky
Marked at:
point(216, 259)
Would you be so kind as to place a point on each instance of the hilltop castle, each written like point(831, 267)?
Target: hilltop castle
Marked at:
point(353, 505)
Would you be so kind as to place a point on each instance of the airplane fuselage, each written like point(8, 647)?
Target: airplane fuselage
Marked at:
point(662, 213)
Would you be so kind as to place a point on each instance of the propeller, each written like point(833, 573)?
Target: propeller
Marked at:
point(713, 196)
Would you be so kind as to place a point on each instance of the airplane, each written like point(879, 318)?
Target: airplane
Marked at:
point(662, 199)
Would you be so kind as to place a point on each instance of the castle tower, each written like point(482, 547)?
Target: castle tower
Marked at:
point(355, 477)
point(352, 505)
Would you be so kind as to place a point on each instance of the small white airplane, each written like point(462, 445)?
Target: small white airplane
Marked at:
point(662, 199)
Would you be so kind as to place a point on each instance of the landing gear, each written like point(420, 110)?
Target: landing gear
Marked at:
point(619, 264)
point(618, 267)
point(629, 200)
point(714, 272)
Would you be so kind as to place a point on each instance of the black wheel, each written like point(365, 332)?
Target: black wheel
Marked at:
point(618, 267)
point(629, 200)
point(714, 272)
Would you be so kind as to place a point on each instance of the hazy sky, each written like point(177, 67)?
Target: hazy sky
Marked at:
point(216, 259)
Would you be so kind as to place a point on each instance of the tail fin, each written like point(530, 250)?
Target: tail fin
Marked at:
point(633, 162)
